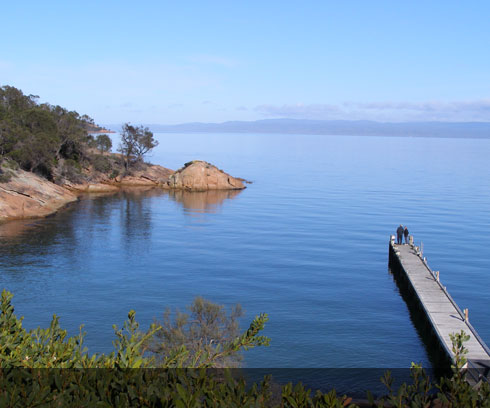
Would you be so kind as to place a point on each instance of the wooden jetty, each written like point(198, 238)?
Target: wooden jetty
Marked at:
point(441, 311)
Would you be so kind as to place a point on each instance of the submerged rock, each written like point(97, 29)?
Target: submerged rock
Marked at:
point(199, 175)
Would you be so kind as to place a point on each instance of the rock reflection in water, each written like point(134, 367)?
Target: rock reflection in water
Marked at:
point(14, 228)
point(202, 201)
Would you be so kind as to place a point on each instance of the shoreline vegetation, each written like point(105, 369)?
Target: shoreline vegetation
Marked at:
point(49, 156)
point(192, 353)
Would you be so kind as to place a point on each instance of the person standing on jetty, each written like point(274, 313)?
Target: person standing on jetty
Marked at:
point(399, 234)
point(405, 234)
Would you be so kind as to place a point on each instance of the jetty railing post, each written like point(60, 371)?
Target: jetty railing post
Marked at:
point(421, 249)
point(437, 276)
point(466, 315)
point(410, 240)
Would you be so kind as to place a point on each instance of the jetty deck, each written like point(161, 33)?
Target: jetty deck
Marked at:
point(442, 312)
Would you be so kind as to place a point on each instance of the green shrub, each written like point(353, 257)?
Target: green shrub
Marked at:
point(45, 368)
point(51, 348)
point(206, 327)
point(72, 170)
point(10, 164)
point(5, 176)
point(101, 164)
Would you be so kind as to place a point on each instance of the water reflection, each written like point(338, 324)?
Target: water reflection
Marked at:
point(135, 213)
point(202, 201)
point(13, 229)
point(21, 241)
point(129, 211)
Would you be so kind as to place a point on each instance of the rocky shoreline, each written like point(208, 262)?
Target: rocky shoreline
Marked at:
point(27, 195)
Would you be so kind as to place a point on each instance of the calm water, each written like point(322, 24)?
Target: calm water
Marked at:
point(307, 243)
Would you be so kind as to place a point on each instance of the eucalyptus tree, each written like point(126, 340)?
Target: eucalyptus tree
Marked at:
point(136, 141)
point(104, 143)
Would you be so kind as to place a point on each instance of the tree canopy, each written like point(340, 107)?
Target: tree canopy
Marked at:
point(136, 141)
point(103, 143)
point(37, 136)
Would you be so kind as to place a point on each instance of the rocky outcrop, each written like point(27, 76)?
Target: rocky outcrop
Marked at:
point(150, 176)
point(27, 195)
point(90, 187)
point(199, 175)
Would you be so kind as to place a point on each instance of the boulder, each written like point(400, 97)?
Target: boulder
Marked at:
point(27, 195)
point(199, 175)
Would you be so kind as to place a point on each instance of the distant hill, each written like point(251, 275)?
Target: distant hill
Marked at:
point(480, 130)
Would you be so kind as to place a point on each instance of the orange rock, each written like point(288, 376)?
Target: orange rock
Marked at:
point(27, 195)
point(152, 175)
point(202, 176)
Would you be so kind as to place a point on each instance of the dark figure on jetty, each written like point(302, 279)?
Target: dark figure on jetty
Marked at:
point(405, 234)
point(399, 235)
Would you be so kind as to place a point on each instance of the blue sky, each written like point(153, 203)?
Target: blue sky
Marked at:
point(172, 62)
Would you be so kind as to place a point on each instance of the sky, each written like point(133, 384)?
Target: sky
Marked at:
point(168, 62)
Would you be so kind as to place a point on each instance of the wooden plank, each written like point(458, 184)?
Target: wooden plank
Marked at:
point(442, 312)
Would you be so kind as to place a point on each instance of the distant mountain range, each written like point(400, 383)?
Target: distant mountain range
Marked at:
point(480, 130)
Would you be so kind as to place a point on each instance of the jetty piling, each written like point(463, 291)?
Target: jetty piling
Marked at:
point(442, 314)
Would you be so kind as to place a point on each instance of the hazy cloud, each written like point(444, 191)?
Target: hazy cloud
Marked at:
point(479, 105)
point(241, 108)
point(477, 110)
point(315, 111)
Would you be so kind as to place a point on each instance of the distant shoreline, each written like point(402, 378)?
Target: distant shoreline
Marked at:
point(102, 131)
point(453, 130)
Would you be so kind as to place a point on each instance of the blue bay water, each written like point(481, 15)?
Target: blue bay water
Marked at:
point(307, 243)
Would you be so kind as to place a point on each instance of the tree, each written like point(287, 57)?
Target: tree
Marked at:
point(135, 143)
point(104, 143)
point(36, 148)
point(39, 136)
point(207, 334)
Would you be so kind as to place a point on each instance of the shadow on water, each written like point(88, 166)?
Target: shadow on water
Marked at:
point(437, 356)
point(202, 201)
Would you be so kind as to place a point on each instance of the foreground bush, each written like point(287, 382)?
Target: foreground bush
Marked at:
point(45, 368)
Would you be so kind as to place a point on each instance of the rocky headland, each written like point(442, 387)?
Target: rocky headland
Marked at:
point(27, 195)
